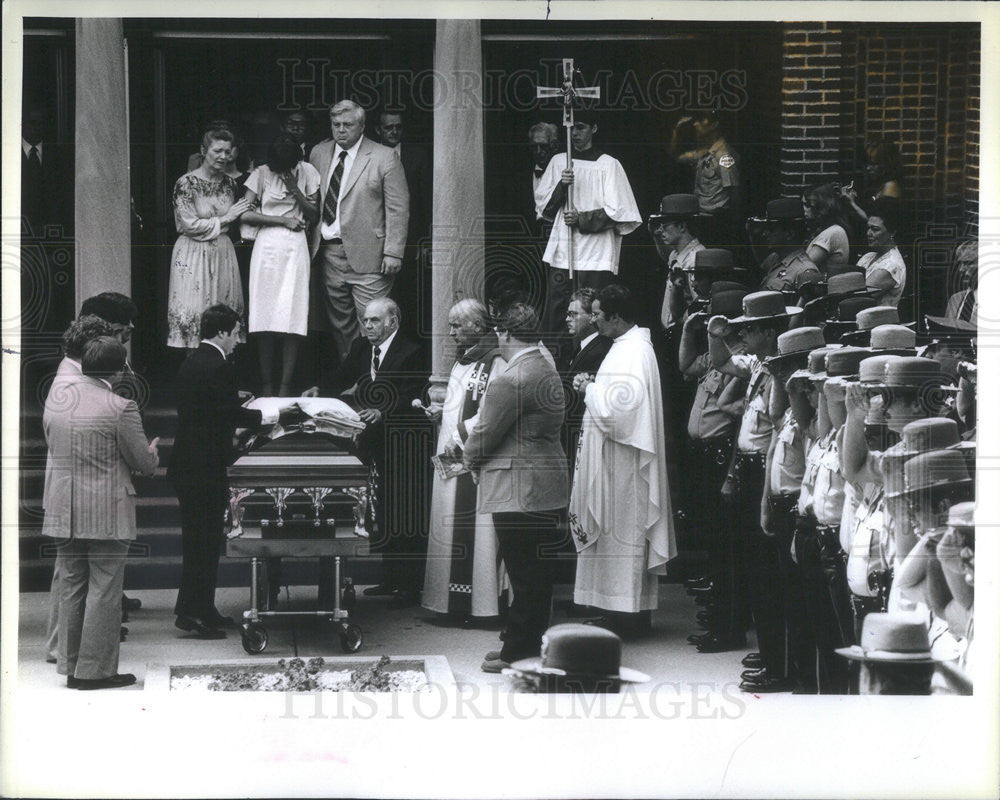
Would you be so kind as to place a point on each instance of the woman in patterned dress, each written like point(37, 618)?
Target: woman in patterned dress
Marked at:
point(203, 268)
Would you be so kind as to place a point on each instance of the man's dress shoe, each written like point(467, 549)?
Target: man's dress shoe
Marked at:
point(494, 665)
point(116, 681)
point(381, 590)
point(200, 628)
point(767, 686)
point(752, 660)
point(218, 620)
point(131, 603)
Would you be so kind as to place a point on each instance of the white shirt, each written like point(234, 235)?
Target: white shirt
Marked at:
point(26, 147)
point(381, 350)
point(588, 340)
point(206, 341)
point(333, 231)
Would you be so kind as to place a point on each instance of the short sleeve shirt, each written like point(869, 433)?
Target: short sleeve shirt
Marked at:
point(790, 273)
point(706, 418)
point(834, 241)
point(788, 464)
point(892, 262)
point(717, 170)
point(755, 426)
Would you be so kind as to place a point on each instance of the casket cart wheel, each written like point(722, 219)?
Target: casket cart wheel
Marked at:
point(254, 637)
point(351, 638)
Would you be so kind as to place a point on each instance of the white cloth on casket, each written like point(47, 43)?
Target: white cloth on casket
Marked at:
point(620, 511)
point(488, 574)
point(600, 184)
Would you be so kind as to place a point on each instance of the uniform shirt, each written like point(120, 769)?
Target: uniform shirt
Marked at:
point(683, 258)
point(892, 262)
point(788, 273)
point(814, 450)
point(755, 426)
point(716, 171)
point(869, 546)
point(788, 463)
point(707, 419)
point(828, 495)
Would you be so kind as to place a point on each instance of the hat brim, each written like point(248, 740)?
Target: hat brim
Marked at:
point(656, 218)
point(947, 325)
point(790, 311)
point(919, 489)
point(857, 653)
point(894, 351)
point(533, 666)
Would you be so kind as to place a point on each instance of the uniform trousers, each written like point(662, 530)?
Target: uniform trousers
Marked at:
point(823, 572)
point(798, 646)
point(529, 544)
point(755, 560)
point(90, 606)
point(202, 509)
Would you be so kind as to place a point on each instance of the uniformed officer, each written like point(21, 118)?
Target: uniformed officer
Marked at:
point(782, 617)
point(765, 316)
point(787, 267)
point(717, 407)
point(717, 181)
point(676, 244)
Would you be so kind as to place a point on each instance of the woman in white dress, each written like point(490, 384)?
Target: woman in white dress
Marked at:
point(284, 193)
point(464, 574)
point(203, 267)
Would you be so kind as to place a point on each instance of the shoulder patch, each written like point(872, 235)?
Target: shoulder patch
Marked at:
point(727, 161)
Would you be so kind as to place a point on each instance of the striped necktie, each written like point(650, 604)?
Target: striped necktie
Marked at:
point(333, 193)
point(968, 304)
point(375, 362)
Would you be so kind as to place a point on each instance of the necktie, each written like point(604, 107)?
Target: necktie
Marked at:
point(33, 157)
point(333, 193)
point(968, 304)
point(375, 362)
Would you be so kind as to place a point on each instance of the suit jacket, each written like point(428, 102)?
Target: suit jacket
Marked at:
point(588, 359)
point(516, 445)
point(95, 441)
point(46, 197)
point(374, 206)
point(400, 380)
point(208, 413)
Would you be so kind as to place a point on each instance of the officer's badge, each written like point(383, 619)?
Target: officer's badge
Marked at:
point(727, 161)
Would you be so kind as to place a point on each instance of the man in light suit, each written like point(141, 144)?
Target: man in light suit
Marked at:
point(95, 440)
point(81, 331)
point(516, 449)
point(358, 245)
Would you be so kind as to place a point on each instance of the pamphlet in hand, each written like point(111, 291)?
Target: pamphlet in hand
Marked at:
point(448, 466)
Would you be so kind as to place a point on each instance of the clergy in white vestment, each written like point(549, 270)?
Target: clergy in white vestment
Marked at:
point(620, 512)
point(464, 574)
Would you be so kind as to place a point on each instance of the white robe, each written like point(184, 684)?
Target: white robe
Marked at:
point(596, 184)
point(621, 517)
point(489, 577)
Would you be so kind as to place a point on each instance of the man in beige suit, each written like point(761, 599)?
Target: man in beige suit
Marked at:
point(357, 247)
point(516, 447)
point(95, 440)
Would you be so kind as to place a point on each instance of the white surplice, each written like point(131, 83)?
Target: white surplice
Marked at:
point(621, 517)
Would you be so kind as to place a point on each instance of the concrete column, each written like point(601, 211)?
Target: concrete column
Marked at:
point(103, 222)
point(458, 246)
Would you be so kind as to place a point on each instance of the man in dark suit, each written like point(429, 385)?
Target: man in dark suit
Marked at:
point(410, 285)
point(384, 372)
point(208, 413)
point(589, 350)
point(358, 245)
point(522, 477)
point(296, 125)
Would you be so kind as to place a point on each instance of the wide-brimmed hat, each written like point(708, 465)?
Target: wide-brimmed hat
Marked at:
point(844, 320)
point(815, 363)
point(896, 339)
point(785, 209)
point(759, 306)
point(962, 515)
point(867, 319)
point(932, 470)
point(912, 372)
point(728, 303)
point(576, 650)
point(846, 284)
point(949, 325)
point(892, 637)
point(925, 435)
point(713, 260)
point(841, 363)
point(674, 207)
point(795, 344)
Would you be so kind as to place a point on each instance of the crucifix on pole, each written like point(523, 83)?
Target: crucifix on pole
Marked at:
point(569, 95)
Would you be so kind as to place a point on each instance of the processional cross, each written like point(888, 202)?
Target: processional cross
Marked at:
point(569, 95)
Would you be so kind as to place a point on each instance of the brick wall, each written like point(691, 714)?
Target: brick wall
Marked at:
point(917, 85)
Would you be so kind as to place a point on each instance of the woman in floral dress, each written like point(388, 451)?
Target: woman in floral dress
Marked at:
point(203, 268)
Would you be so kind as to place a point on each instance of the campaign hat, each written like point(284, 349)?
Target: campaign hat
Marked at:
point(896, 339)
point(932, 470)
point(760, 306)
point(728, 302)
point(576, 650)
point(816, 362)
point(899, 637)
point(925, 435)
point(785, 209)
point(675, 207)
point(713, 260)
point(796, 344)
